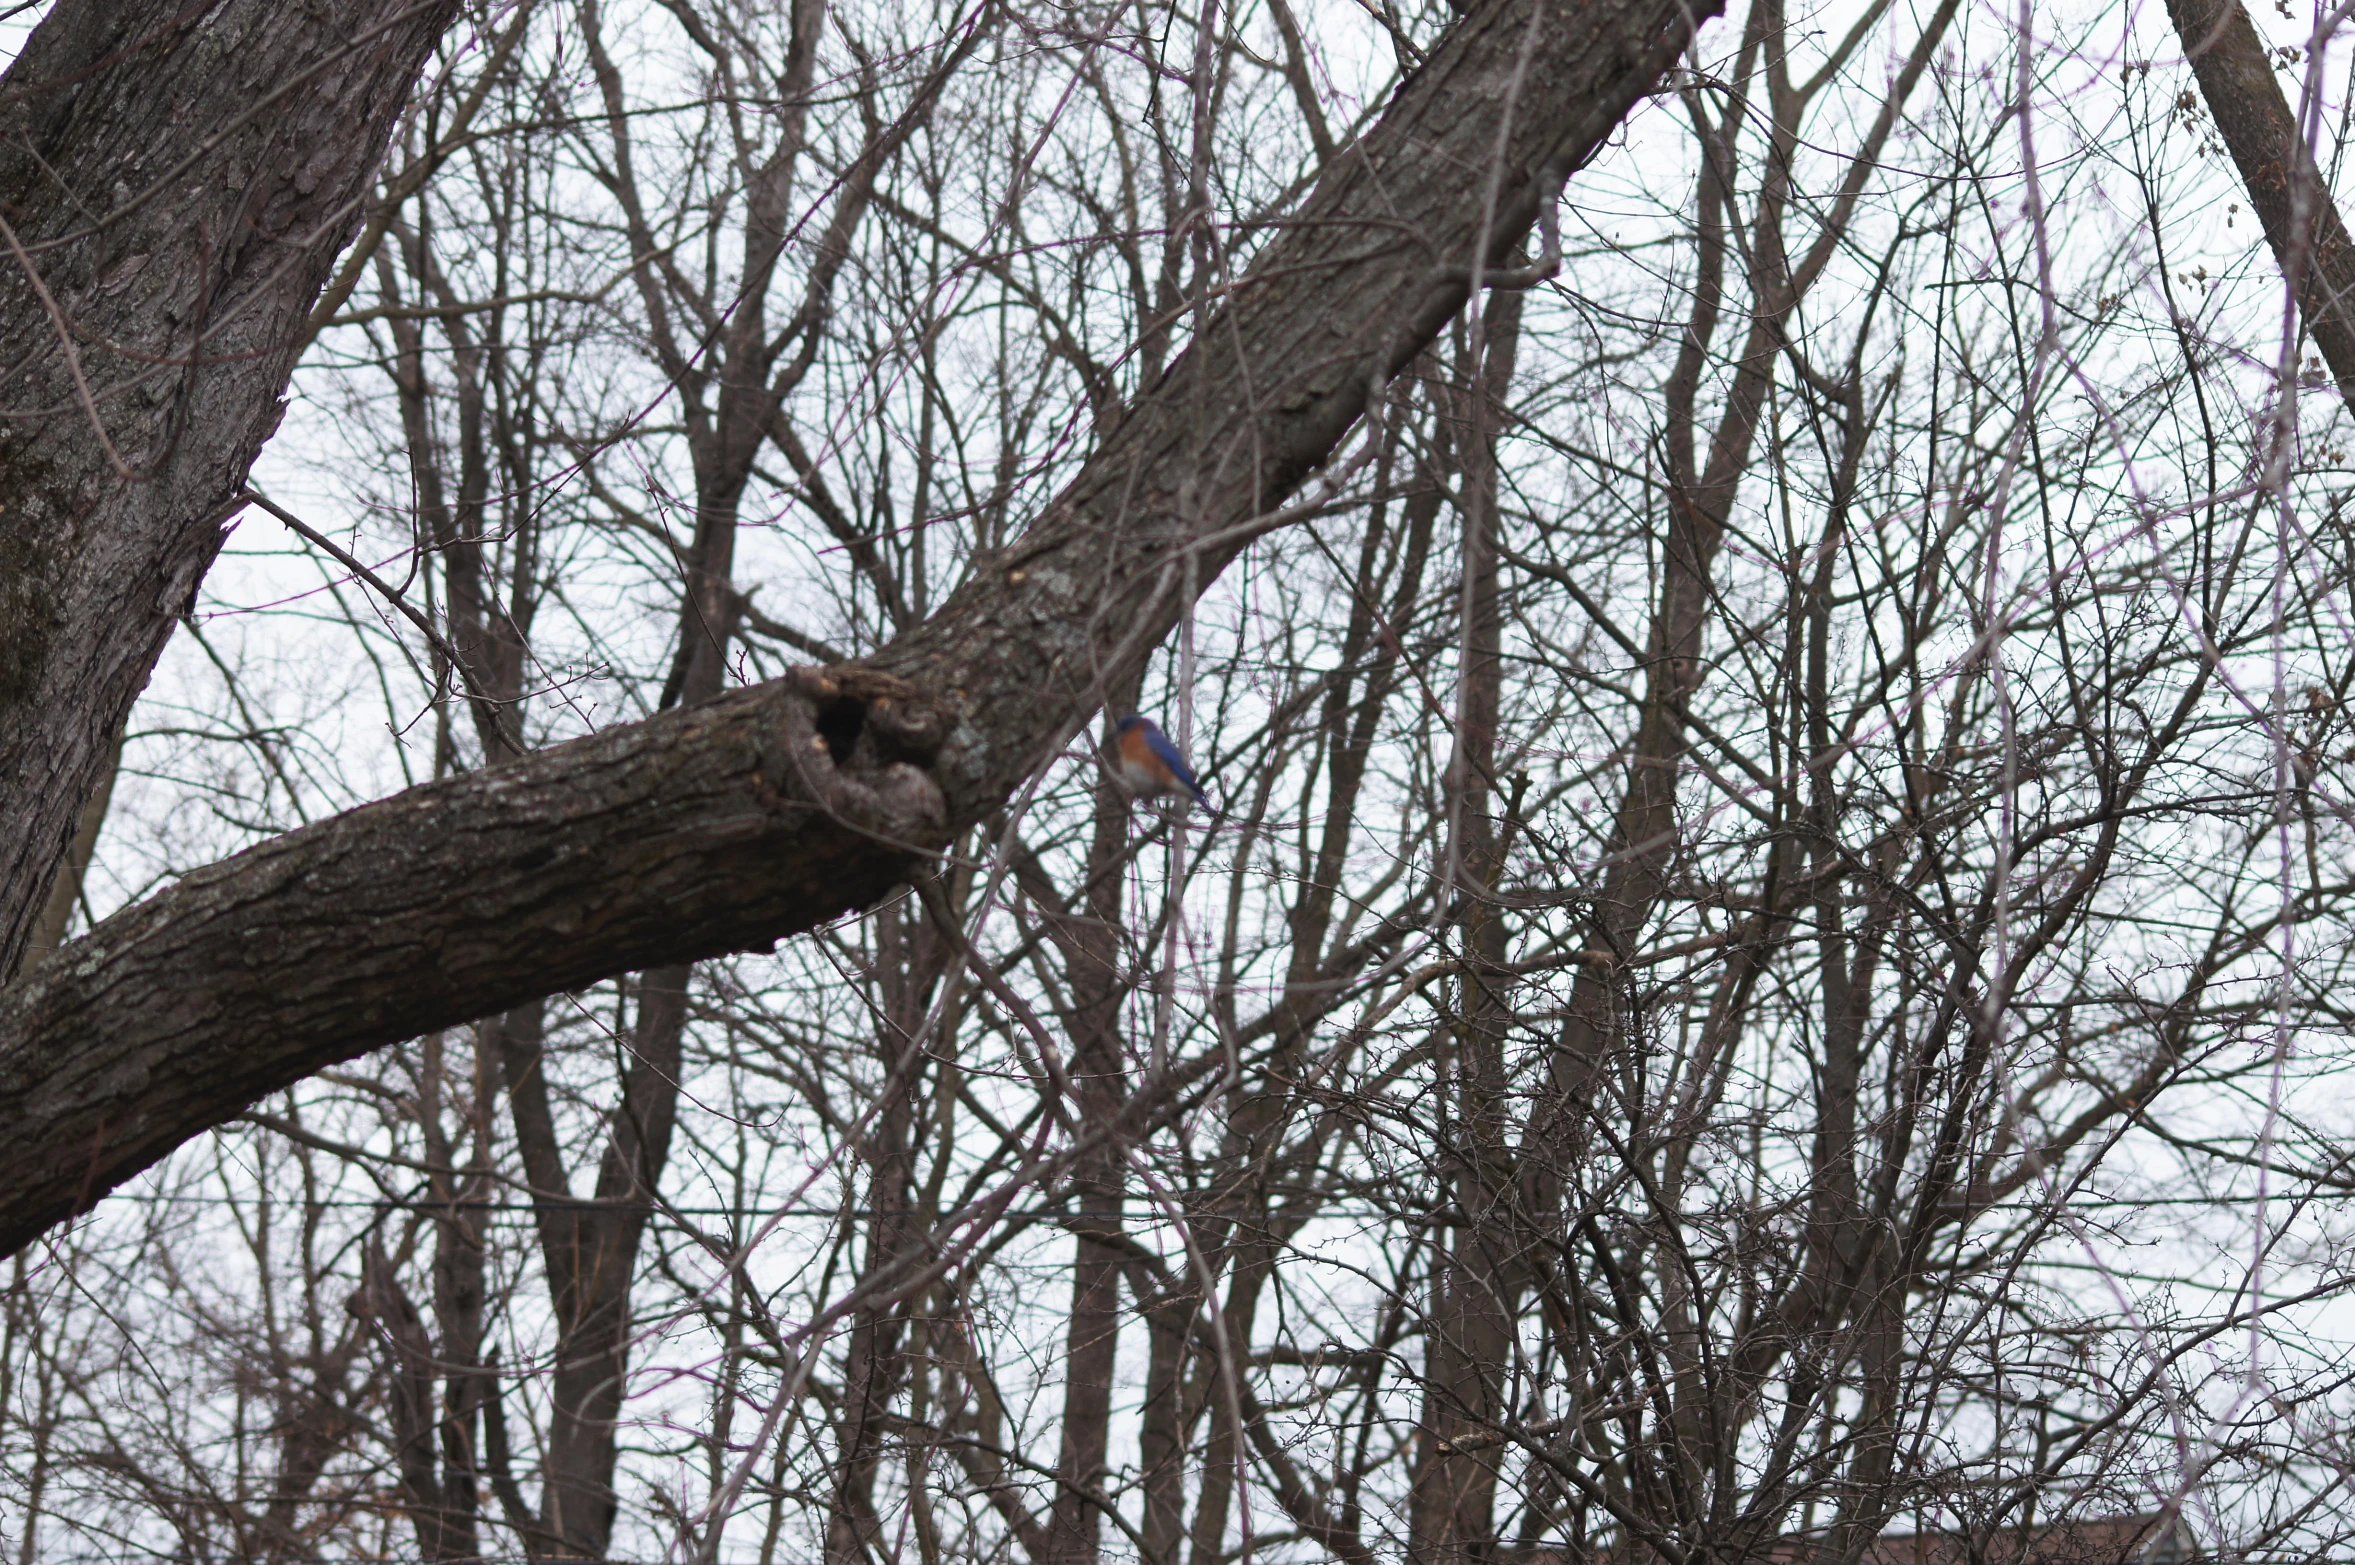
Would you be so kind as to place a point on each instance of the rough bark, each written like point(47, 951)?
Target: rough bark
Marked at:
point(767, 810)
point(65, 891)
point(2293, 204)
point(175, 182)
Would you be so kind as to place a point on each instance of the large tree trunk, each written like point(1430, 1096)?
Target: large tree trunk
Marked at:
point(758, 814)
point(65, 890)
point(2293, 204)
point(177, 181)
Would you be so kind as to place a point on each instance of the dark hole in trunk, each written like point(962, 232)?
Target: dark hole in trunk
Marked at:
point(839, 723)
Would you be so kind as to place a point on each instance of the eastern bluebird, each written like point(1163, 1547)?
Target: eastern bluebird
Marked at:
point(1148, 763)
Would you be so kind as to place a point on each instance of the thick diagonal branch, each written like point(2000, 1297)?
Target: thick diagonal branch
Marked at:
point(2293, 205)
point(771, 809)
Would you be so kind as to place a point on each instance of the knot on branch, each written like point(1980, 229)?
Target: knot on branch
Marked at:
point(862, 742)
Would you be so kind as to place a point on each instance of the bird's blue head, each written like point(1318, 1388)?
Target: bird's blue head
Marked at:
point(1126, 724)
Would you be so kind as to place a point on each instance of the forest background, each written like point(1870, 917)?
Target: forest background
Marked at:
point(1767, 964)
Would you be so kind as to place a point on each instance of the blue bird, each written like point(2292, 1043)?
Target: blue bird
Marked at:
point(1148, 764)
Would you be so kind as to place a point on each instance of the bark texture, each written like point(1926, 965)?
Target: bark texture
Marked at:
point(58, 911)
point(2236, 76)
point(175, 182)
point(734, 823)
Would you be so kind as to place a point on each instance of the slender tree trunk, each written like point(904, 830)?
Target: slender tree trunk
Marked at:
point(590, 1251)
point(1451, 1509)
point(1165, 1423)
point(436, 1452)
point(1093, 948)
point(1249, 1266)
point(409, 1375)
point(461, 1192)
point(912, 961)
